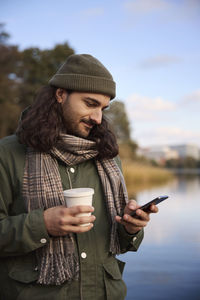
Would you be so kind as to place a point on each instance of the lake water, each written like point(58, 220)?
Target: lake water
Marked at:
point(167, 264)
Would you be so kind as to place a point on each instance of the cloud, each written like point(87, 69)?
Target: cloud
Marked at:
point(188, 9)
point(143, 7)
point(167, 10)
point(143, 108)
point(159, 61)
point(176, 132)
point(158, 121)
point(193, 97)
point(93, 12)
point(167, 136)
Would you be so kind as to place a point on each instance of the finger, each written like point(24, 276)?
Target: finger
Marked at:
point(143, 215)
point(83, 219)
point(153, 208)
point(74, 210)
point(76, 220)
point(76, 229)
point(134, 221)
point(131, 206)
point(129, 227)
point(118, 219)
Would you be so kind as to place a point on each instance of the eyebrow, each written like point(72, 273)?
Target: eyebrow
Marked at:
point(96, 101)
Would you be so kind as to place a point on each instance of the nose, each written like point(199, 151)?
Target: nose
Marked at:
point(96, 116)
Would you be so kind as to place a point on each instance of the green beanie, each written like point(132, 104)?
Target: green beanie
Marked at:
point(84, 73)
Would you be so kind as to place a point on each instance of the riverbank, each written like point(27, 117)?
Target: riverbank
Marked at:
point(139, 176)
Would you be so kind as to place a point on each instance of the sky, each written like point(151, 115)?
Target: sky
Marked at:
point(151, 47)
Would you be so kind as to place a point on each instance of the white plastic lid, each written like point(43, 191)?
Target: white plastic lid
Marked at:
point(79, 192)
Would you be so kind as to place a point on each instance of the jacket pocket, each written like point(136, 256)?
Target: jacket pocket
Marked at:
point(24, 276)
point(24, 269)
point(17, 274)
point(115, 286)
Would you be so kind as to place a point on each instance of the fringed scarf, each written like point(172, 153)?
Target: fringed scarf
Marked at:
point(42, 188)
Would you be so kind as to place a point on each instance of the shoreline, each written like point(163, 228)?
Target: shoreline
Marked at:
point(140, 176)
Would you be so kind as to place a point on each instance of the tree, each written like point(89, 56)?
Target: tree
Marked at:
point(182, 162)
point(22, 73)
point(3, 34)
point(9, 109)
point(117, 117)
point(36, 67)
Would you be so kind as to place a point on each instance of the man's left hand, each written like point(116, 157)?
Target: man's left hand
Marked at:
point(139, 221)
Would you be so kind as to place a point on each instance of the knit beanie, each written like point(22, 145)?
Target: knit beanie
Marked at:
point(84, 73)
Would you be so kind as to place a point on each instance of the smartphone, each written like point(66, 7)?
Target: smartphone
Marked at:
point(146, 206)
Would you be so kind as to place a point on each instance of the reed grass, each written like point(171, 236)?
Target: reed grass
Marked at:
point(139, 176)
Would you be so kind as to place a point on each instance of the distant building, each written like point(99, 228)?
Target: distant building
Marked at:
point(187, 150)
point(162, 153)
point(159, 153)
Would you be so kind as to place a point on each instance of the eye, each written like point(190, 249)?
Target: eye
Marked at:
point(91, 103)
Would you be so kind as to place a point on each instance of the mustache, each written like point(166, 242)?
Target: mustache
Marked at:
point(88, 122)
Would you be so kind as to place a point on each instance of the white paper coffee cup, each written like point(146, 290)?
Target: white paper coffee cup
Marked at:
point(79, 196)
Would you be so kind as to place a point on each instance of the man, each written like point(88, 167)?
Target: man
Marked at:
point(64, 142)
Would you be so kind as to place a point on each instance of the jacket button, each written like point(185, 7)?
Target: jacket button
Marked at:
point(83, 255)
point(43, 241)
point(72, 170)
point(134, 239)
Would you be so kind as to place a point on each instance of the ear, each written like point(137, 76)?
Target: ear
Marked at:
point(61, 95)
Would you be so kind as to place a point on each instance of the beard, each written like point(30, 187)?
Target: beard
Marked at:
point(77, 128)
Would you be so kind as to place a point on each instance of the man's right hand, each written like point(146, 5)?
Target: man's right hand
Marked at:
point(61, 220)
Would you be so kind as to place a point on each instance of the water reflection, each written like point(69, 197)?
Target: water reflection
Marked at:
point(167, 265)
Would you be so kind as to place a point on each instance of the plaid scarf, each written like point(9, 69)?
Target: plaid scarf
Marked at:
point(42, 188)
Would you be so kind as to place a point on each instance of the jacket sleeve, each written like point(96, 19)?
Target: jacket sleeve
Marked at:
point(129, 242)
point(20, 233)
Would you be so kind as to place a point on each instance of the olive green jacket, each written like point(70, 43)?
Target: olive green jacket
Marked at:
point(21, 233)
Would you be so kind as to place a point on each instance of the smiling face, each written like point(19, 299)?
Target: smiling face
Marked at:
point(81, 111)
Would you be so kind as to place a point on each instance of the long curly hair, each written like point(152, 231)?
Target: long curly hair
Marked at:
point(43, 122)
